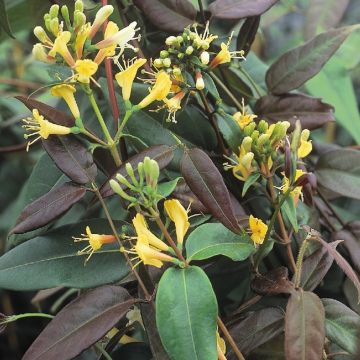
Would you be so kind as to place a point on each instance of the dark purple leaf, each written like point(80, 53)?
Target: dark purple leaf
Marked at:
point(239, 9)
point(274, 282)
point(168, 15)
point(163, 154)
point(71, 157)
point(205, 180)
point(50, 113)
point(352, 244)
point(343, 264)
point(315, 267)
point(48, 207)
point(247, 33)
point(311, 111)
point(256, 329)
point(323, 15)
point(300, 64)
point(81, 323)
point(304, 326)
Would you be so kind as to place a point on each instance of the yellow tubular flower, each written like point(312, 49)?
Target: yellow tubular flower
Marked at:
point(173, 105)
point(305, 147)
point(244, 168)
point(296, 193)
point(179, 216)
point(60, 47)
point(126, 76)
point(40, 54)
point(143, 231)
point(81, 37)
point(42, 128)
point(159, 91)
point(67, 91)
point(85, 70)
point(100, 18)
point(258, 230)
point(111, 29)
point(96, 241)
point(242, 117)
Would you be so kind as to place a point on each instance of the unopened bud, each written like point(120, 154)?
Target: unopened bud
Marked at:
point(122, 180)
point(54, 26)
point(164, 54)
point(100, 18)
point(177, 71)
point(54, 11)
point(263, 126)
point(158, 63)
point(246, 143)
point(179, 39)
point(189, 50)
point(166, 62)
point(248, 129)
point(40, 54)
point(295, 137)
point(118, 190)
point(247, 159)
point(47, 19)
point(170, 40)
point(200, 85)
point(79, 5)
point(155, 172)
point(140, 168)
point(79, 19)
point(130, 171)
point(204, 44)
point(40, 33)
point(263, 138)
point(255, 135)
point(65, 14)
point(181, 55)
point(205, 57)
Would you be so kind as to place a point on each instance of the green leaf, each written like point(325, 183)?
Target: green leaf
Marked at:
point(248, 182)
point(51, 260)
point(166, 188)
point(4, 20)
point(186, 314)
point(288, 210)
point(213, 239)
point(342, 325)
point(230, 130)
point(210, 86)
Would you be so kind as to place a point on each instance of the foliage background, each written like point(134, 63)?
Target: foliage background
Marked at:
point(284, 26)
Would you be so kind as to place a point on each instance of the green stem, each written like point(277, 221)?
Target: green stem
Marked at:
point(93, 137)
point(299, 262)
point(252, 82)
point(26, 315)
point(122, 125)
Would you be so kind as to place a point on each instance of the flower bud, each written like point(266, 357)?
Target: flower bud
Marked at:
point(40, 33)
point(247, 159)
point(181, 55)
point(179, 39)
point(204, 44)
point(140, 168)
point(263, 126)
point(177, 71)
point(170, 40)
point(189, 50)
point(167, 62)
point(122, 180)
point(255, 135)
point(164, 54)
point(65, 14)
point(205, 57)
point(263, 138)
point(79, 6)
point(40, 54)
point(130, 171)
point(200, 85)
point(118, 190)
point(248, 129)
point(158, 63)
point(54, 11)
point(47, 19)
point(54, 26)
point(246, 143)
point(100, 18)
point(79, 19)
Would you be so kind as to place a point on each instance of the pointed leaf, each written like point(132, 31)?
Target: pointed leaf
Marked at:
point(52, 260)
point(166, 188)
point(312, 112)
point(72, 158)
point(304, 326)
point(247, 34)
point(239, 9)
point(230, 130)
point(289, 213)
point(186, 314)
point(298, 65)
point(81, 323)
point(205, 180)
point(48, 207)
point(213, 239)
point(251, 180)
point(4, 20)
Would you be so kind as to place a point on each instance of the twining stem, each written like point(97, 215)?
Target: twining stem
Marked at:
point(283, 230)
point(227, 91)
point(229, 338)
point(212, 120)
point(299, 262)
point(113, 228)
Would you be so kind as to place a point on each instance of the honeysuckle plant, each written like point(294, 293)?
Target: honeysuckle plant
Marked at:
point(178, 200)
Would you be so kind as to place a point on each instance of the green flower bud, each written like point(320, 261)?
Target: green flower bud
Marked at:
point(54, 26)
point(246, 143)
point(255, 135)
point(181, 55)
point(164, 54)
point(248, 129)
point(177, 71)
point(140, 168)
point(158, 63)
point(118, 190)
point(296, 136)
point(263, 126)
point(79, 6)
point(263, 138)
point(166, 62)
point(65, 14)
point(79, 19)
point(54, 11)
point(170, 40)
point(130, 171)
point(122, 180)
point(179, 39)
point(205, 57)
point(47, 19)
point(189, 50)
point(40, 33)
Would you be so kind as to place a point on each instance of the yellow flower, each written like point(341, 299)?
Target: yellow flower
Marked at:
point(81, 37)
point(60, 47)
point(305, 144)
point(126, 76)
point(221, 347)
point(258, 230)
point(96, 241)
point(242, 117)
point(296, 193)
point(143, 231)
point(179, 216)
point(100, 18)
point(225, 56)
point(202, 40)
point(67, 91)
point(111, 29)
point(40, 54)
point(173, 105)
point(159, 91)
point(85, 70)
point(42, 127)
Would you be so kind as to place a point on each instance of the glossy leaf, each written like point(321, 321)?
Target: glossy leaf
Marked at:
point(230, 130)
point(342, 325)
point(315, 267)
point(257, 328)
point(81, 323)
point(247, 34)
point(50, 113)
point(251, 180)
point(48, 207)
point(205, 180)
point(4, 20)
point(168, 15)
point(288, 211)
point(213, 239)
point(239, 9)
point(166, 188)
point(323, 15)
point(343, 264)
point(351, 242)
point(274, 282)
point(72, 158)
point(304, 326)
point(186, 314)
point(298, 65)
point(161, 153)
point(339, 171)
point(52, 260)
point(312, 112)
